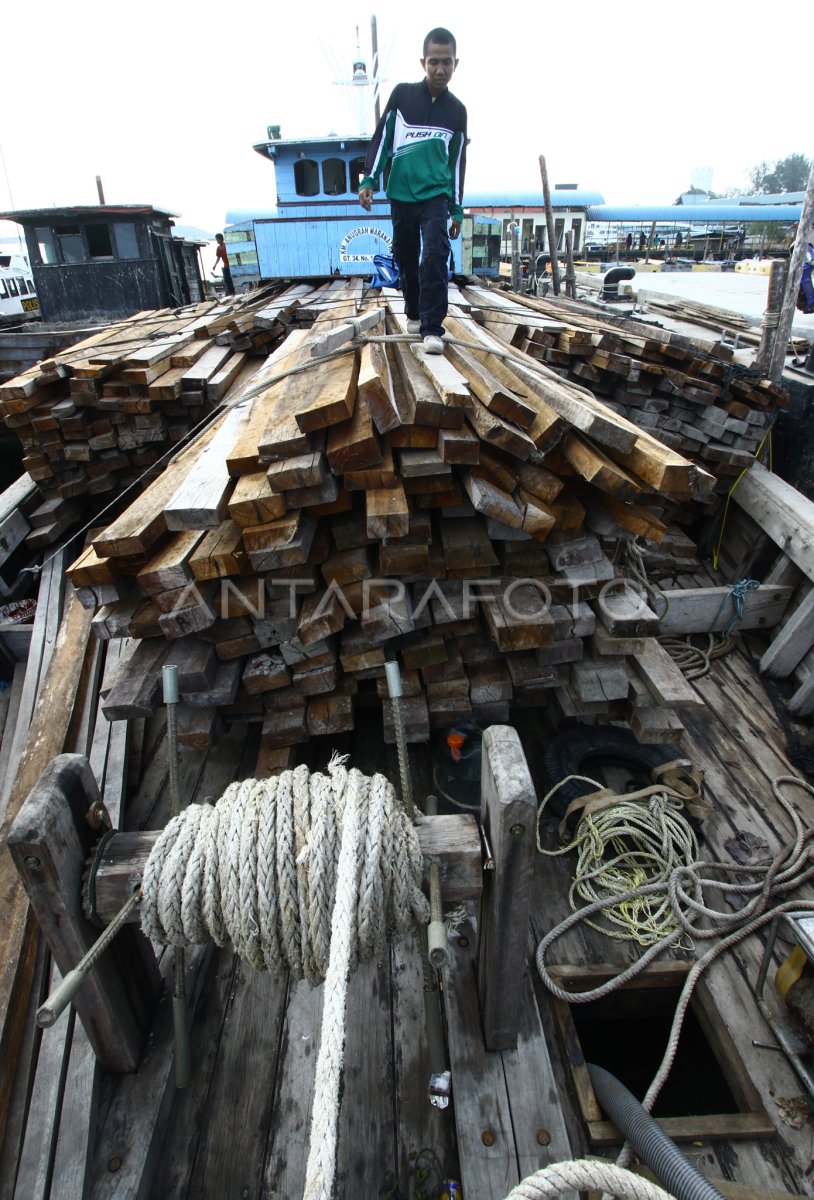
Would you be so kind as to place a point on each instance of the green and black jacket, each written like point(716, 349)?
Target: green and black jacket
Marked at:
point(426, 139)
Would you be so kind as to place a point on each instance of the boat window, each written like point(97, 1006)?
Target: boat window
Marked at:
point(99, 243)
point(577, 228)
point(3, 290)
point(23, 286)
point(334, 178)
point(12, 287)
point(45, 243)
point(126, 239)
point(5, 260)
point(357, 173)
point(71, 244)
point(306, 177)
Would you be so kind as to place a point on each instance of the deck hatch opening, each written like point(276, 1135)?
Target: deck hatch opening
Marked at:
point(709, 1093)
point(627, 1033)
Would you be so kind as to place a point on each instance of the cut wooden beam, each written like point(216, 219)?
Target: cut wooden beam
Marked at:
point(710, 610)
point(663, 678)
point(388, 512)
point(325, 395)
point(625, 614)
point(598, 468)
point(783, 512)
point(270, 421)
point(791, 644)
point(142, 524)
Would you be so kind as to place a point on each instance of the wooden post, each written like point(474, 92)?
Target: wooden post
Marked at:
point(508, 815)
point(650, 241)
point(549, 223)
point(570, 276)
point(775, 366)
point(771, 317)
point(50, 841)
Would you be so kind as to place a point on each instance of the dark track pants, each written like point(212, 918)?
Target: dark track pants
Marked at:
point(424, 282)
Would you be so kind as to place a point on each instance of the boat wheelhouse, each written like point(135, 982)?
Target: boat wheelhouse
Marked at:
point(18, 296)
point(317, 226)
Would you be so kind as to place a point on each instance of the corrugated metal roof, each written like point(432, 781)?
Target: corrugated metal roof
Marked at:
point(506, 200)
point(777, 198)
point(694, 213)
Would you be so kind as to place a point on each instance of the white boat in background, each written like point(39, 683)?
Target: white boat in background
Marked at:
point(18, 297)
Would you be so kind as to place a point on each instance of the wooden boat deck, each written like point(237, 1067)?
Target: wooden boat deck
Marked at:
point(241, 1128)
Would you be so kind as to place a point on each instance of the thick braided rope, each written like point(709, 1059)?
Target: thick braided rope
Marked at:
point(319, 1173)
point(586, 1174)
point(257, 871)
point(302, 872)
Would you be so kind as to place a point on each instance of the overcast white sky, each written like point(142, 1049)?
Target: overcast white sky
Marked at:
point(165, 99)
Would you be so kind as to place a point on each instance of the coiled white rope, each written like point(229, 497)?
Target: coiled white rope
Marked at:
point(695, 661)
point(764, 885)
point(299, 872)
point(586, 1174)
point(627, 851)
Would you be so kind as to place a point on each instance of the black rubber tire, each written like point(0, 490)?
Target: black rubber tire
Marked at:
point(574, 752)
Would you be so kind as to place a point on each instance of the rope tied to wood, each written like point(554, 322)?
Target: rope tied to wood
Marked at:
point(737, 594)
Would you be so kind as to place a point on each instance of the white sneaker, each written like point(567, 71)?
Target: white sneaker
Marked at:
point(414, 327)
point(433, 345)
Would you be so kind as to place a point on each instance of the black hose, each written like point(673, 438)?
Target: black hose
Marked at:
point(672, 1169)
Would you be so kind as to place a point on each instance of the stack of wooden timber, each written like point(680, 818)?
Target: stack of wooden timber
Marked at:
point(723, 321)
point(726, 323)
point(350, 514)
point(96, 417)
point(688, 392)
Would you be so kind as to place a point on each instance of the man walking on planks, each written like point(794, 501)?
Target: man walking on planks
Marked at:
point(423, 130)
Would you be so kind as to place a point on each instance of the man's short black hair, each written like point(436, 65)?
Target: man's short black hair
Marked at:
point(441, 37)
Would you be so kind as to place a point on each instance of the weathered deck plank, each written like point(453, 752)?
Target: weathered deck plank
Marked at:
point(229, 1159)
point(287, 1153)
point(418, 1123)
point(366, 1150)
point(187, 1122)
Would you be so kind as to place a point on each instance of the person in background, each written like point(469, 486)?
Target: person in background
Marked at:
point(805, 296)
point(222, 257)
point(423, 130)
